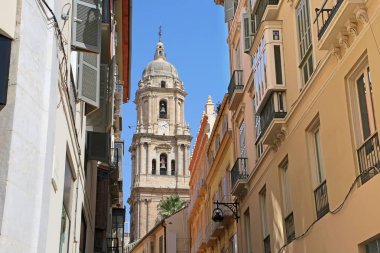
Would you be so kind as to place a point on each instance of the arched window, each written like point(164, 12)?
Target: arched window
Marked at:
point(163, 109)
point(154, 167)
point(163, 164)
point(163, 84)
point(173, 167)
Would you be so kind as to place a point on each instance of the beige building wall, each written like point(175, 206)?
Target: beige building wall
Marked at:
point(320, 126)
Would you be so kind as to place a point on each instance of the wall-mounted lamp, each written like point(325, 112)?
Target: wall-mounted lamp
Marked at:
point(217, 213)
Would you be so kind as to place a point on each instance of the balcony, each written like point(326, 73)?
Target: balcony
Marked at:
point(239, 177)
point(265, 10)
point(213, 231)
point(335, 20)
point(235, 89)
point(369, 158)
point(228, 215)
point(321, 200)
point(270, 124)
point(200, 243)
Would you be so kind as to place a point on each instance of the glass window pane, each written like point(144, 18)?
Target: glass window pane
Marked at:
point(363, 107)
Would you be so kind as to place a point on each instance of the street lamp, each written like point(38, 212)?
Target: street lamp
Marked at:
point(217, 213)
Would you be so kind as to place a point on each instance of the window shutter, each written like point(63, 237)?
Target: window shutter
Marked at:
point(88, 81)
point(247, 37)
point(86, 25)
point(228, 10)
point(98, 146)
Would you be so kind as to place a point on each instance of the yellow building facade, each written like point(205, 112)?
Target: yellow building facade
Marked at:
point(303, 100)
point(210, 182)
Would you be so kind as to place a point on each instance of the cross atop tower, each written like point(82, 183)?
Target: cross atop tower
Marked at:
point(160, 33)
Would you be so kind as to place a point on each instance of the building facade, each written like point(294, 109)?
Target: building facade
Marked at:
point(160, 147)
point(170, 235)
point(64, 75)
point(210, 183)
point(303, 99)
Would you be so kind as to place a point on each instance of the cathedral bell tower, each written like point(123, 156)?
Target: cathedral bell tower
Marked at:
point(160, 149)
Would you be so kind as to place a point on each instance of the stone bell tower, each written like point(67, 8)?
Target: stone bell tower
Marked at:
point(160, 149)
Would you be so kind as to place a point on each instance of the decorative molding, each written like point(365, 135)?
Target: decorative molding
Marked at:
point(352, 28)
point(362, 15)
point(343, 40)
point(336, 52)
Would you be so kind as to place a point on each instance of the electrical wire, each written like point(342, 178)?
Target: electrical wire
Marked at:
point(336, 210)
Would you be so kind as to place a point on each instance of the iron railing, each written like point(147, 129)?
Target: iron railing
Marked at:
point(236, 82)
point(267, 115)
point(324, 16)
point(289, 228)
point(239, 171)
point(321, 200)
point(260, 10)
point(113, 245)
point(369, 157)
point(267, 245)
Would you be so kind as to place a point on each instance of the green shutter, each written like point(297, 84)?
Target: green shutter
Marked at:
point(228, 10)
point(88, 78)
point(86, 26)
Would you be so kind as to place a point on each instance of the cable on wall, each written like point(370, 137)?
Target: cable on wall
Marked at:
point(336, 210)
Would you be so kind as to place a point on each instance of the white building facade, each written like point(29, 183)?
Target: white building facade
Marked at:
point(56, 123)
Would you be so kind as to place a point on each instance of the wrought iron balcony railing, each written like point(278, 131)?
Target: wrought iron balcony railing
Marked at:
point(236, 82)
point(289, 228)
point(324, 16)
point(369, 158)
point(321, 200)
point(260, 10)
point(268, 113)
point(239, 171)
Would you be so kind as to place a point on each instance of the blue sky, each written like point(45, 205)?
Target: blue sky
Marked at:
point(194, 35)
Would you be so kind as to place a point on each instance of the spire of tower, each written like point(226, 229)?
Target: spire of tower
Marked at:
point(160, 51)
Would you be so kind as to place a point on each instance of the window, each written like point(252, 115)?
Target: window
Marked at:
point(152, 247)
point(264, 220)
point(161, 244)
point(5, 52)
point(173, 167)
point(163, 164)
point(260, 71)
point(287, 203)
point(154, 167)
point(259, 149)
point(66, 209)
point(304, 40)
point(243, 151)
point(83, 233)
point(366, 133)
point(320, 186)
point(163, 109)
point(163, 84)
point(373, 246)
point(247, 228)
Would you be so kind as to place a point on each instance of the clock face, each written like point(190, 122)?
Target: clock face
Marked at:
point(163, 126)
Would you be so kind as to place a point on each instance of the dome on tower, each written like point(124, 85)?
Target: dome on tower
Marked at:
point(159, 66)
